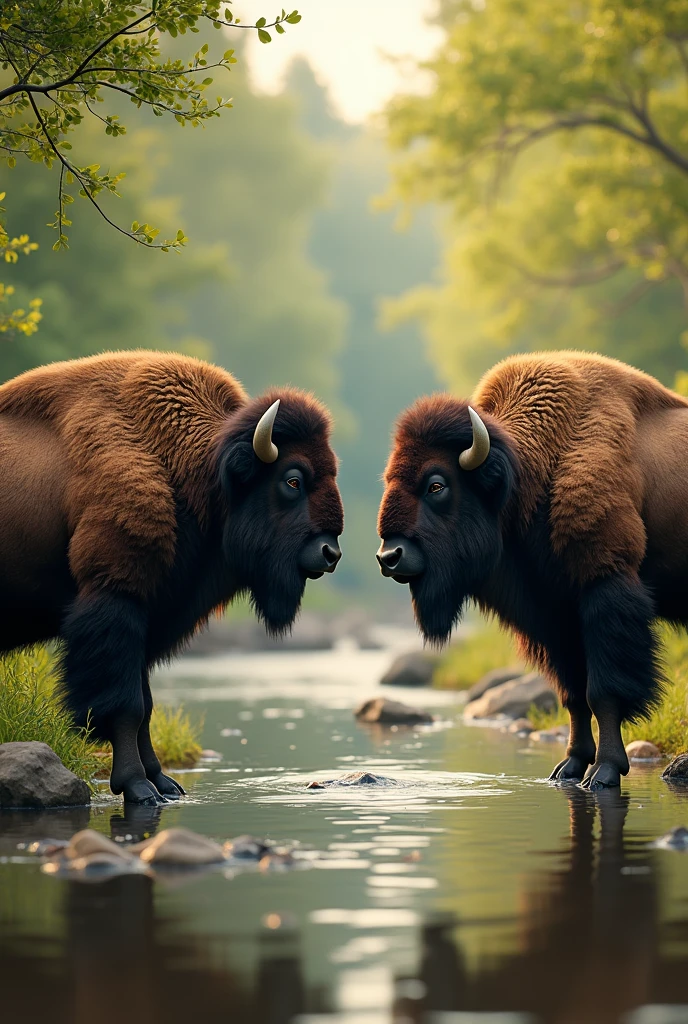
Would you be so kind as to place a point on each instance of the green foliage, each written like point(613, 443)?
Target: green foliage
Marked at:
point(30, 710)
point(557, 135)
point(175, 737)
point(20, 320)
point(488, 647)
point(61, 58)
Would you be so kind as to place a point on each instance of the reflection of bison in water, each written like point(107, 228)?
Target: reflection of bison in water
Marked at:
point(140, 492)
point(561, 507)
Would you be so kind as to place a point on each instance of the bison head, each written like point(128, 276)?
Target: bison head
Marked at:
point(448, 479)
point(283, 510)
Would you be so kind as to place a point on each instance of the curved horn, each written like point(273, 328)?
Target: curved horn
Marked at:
point(262, 437)
point(480, 449)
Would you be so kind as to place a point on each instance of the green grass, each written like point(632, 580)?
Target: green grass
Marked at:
point(489, 647)
point(30, 710)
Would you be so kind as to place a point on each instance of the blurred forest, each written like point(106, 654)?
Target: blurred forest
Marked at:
point(280, 283)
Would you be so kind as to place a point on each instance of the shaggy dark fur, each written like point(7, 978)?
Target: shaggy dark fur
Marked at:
point(133, 506)
point(572, 531)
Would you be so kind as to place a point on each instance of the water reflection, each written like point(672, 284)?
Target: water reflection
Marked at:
point(589, 947)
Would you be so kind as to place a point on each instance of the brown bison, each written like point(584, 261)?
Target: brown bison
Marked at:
point(559, 501)
point(140, 492)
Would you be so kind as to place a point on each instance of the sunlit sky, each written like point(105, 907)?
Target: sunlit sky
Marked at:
point(346, 42)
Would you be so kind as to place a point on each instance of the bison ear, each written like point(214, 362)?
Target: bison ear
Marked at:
point(238, 462)
point(496, 477)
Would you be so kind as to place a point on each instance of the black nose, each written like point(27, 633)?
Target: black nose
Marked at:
point(400, 558)
point(320, 554)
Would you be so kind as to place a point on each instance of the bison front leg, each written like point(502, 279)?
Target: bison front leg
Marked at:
point(105, 636)
point(567, 663)
point(623, 668)
point(151, 765)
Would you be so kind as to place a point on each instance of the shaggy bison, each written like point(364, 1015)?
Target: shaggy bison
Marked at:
point(141, 491)
point(559, 501)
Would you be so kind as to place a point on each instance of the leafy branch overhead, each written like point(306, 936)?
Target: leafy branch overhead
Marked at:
point(62, 59)
point(24, 321)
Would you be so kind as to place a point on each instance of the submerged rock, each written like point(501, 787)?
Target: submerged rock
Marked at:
point(676, 839)
point(677, 770)
point(643, 750)
point(414, 668)
point(556, 734)
point(513, 699)
point(33, 776)
point(391, 712)
point(89, 843)
point(353, 779)
point(179, 846)
point(89, 855)
point(491, 679)
point(521, 727)
point(246, 848)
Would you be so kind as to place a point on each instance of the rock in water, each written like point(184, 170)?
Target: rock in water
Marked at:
point(246, 848)
point(643, 750)
point(557, 734)
point(521, 727)
point(353, 779)
point(491, 679)
point(412, 669)
point(513, 699)
point(677, 770)
point(179, 846)
point(391, 712)
point(677, 839)
point(32, 775)
point(89, 843)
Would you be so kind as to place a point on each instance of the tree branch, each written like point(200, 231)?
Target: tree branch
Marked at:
point(574, 280)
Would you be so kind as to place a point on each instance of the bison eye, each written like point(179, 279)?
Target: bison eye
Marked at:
point(435, 488)
point(294, 482)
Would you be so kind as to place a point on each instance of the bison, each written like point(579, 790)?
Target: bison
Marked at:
point(141, 491)
point(558, 501)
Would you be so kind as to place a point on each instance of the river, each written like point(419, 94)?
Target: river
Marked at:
point(472, 890)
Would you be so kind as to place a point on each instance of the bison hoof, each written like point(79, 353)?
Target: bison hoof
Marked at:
point(601, 775)
point(143, 793)
point(167, 786)
point(571, 769)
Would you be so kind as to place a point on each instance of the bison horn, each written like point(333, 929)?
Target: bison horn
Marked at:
point(262, 437)
point(480, 449)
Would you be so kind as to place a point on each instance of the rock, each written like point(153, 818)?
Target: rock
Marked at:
point(277, 861)
point(557, 734)
point(354, 779)
point(32, 775)
point(246, 848)
point(643, 750)
point(390, 712)
point(210, 755)
point(676, 839)
point(412, 669)
point(513, 699)
point(491, 679)
point(179, 846)
point(89, 843)
point(521, 727)
point(677, 770)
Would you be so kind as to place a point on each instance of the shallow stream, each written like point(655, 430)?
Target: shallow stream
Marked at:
point(472, 890)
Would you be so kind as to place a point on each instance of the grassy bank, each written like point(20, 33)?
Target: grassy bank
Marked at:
point(489, 648)
point(30, 710)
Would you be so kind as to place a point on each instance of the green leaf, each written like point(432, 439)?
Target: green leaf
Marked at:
point(264, 36)
point(261, 22)
point(280, 29)
point(294, 18)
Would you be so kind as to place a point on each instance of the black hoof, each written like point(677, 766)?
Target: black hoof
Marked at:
point(571, 769)
point(602, 775)
point(168, 787)
point(143, 793)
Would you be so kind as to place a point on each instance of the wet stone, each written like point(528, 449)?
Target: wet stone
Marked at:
point(513, 699)
point(391, 712)
point(557, 734)
point(33, 776)
point(676, 839)
point(179, 846)
point(491, 679)
point(677, 770)
point(354, 779)
point(643, 750)
point(412, 669)
point(246, 848)
point(520, 727)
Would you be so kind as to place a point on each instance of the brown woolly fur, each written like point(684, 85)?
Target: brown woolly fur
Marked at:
point(133, 505)
point(572, 530)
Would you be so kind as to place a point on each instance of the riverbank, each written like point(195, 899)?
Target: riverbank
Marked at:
point(489, 648)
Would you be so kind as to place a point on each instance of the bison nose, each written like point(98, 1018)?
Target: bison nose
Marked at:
point(320, 554)
point(400, 558)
